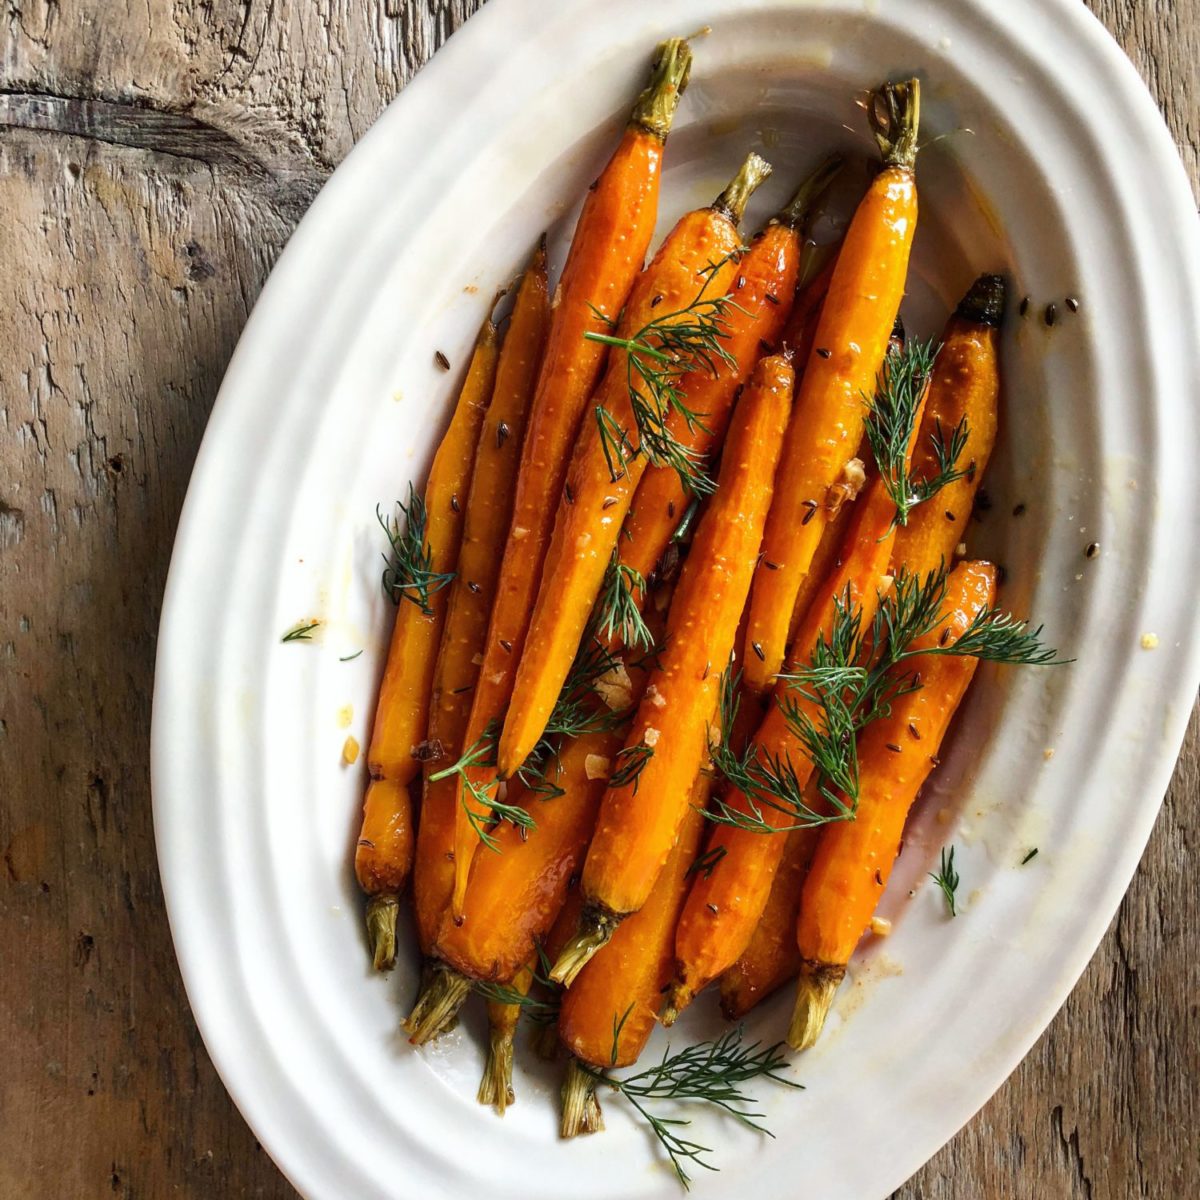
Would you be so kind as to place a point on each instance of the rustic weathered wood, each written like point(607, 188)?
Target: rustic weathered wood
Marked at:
point(154, 157)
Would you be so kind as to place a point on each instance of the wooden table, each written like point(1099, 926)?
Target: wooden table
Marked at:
point(154, 157)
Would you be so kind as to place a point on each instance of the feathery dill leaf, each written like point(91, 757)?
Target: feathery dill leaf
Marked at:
point(301, 633)
point(617, 612)
point(408, 572)
point(658, 357)
point(712, 1073)
point(946, 877)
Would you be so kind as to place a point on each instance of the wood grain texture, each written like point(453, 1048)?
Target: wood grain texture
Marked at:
point(154, 157)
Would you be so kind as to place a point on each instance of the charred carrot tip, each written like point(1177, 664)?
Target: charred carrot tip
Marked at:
point(381, 929)
point(580, 1105)
point(984, 303)
point(815, 990)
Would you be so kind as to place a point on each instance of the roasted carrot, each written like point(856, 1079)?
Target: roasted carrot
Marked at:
point(801, 327)
point(609, 1012)
point(726, 901)
point(602, 479)
point(426, 554)
point(854, 859)
point(771, 958)
point(607, 252)
point(763, 290)
point(827, 423)
point(495, 1086)
point(485, 523)
point(965, 387)
point(646, 800)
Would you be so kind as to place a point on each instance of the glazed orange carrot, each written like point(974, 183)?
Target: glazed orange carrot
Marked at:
point(801, 328)
point(485, 522)
point(763, 290)
point(609, 1012)
point(646, 801)
point(771, 958)
point(607, 253)
point(726, 901)
point(965, 387)
point(426, 554)
point(827, 423)
point(601, 479)
point(853, 859)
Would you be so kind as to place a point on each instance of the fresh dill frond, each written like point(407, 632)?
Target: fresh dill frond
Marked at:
point(713, 1073)
point(707, 862)
point(618, 1025)
point(350, 657)
point(946, 877)
point(658, 358)
point(618, 613)
point(301, 633)
point(853, 678)
point(891, 421)
point(482, 753)
point(629, 764)
point(408, 572)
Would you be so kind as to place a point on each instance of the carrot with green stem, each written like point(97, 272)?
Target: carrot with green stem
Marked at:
point(423, 562)
point(762, 295)
point(767, 793)
point(856, 319)
point(609, 1012)
point(607, 253)
point(930, 637)
point(528, 876)
point(671, 368)
point(646, 801)
point(486, 515)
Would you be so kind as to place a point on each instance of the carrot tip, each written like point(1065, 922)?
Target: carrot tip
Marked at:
point(817, 986)
point(580, 1105)
point(678, 998)
point(596, 927)
point(381, 929)
point(495, 1088)
point(443, 992)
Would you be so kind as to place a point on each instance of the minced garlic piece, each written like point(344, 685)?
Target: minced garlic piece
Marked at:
point(847, 487)
point(1149, 641)
point(650, 737)
point(656, 697)
point(477, 660)
point(596, 766)
point(615, 688)
point(350, 749)
point(518, 532)
point(881, 926)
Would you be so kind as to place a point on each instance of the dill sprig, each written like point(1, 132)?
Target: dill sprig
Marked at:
point(540, 1009)
point(712, 1073)
point(301, 633)
point(891, 420)
point(408, 572)
point(482, 753)
point(658, 357)
point(946, 877)
point(629, 764)
point(853, 677)
point(618, 614)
